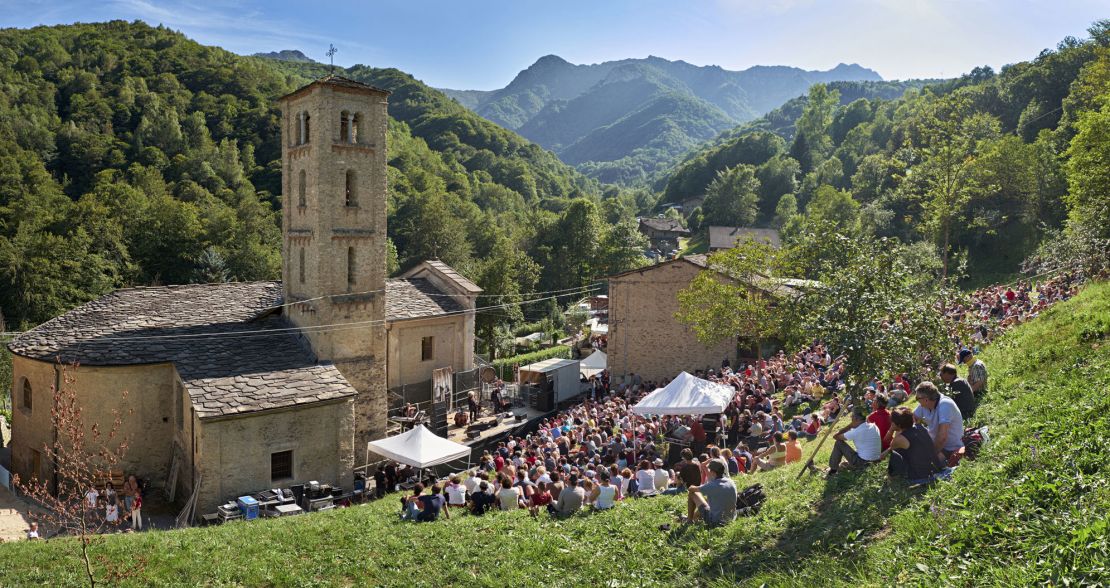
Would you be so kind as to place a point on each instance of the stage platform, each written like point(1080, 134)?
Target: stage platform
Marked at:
point(499, 429)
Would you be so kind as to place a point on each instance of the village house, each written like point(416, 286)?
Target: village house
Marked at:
point(663, 232)
point(646, 339)
point(239, 387)
point(727, 237)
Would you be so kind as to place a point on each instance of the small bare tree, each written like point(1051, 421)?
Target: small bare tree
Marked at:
point(83, 457)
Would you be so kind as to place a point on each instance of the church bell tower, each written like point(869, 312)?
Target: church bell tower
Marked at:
point(334, 233)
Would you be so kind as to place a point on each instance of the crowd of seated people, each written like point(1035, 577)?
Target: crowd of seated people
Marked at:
point(599, 453)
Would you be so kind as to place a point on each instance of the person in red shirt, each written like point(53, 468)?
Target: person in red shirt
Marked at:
point(880, 417)
point(498, 463)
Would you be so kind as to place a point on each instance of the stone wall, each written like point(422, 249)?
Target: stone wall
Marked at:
point(148, 426)
point(450, 343)
point(644, 336)
point(234, 453)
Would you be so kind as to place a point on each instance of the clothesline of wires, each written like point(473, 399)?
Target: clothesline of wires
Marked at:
point(312, 328)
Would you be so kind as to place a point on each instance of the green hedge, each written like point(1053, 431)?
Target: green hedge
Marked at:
point(507, 363)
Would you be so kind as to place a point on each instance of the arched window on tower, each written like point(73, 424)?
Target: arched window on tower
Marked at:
point(307, 131)
point(298, 129)
point(350, 268)
point(302, 199)
point(356, 122)
point(300, 267)
point(344, 127)
point(351, 192)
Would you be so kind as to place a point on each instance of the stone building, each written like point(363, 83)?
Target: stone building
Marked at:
point(663, 233)
point(727, 237)
point(645, 338)
point(238, 387)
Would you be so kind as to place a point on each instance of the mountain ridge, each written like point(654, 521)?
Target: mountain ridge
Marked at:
point(560, 105)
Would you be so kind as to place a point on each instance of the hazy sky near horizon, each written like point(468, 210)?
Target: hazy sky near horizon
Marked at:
point(483, 44)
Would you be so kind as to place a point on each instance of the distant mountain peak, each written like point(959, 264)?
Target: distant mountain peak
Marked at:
point(550, 60)
point(286, 55)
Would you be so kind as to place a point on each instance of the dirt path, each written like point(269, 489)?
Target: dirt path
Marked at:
point(15, 516)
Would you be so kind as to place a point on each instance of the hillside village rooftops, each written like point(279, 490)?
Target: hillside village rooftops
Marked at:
point(664, 224)
point(234, 352)
point(726, 237)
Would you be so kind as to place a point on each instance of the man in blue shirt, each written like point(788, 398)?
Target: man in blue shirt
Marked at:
point(941, 416)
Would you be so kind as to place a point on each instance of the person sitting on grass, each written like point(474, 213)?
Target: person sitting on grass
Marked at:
point(880, 416)
point(911, 451)
point(865, 435)
point(773, 456)
point(570, 499)
point(963, 395)
point(431, 505)
point(482, 499)
point(714, 501)
point(813, 427)
point(645, 479)
point(541, 498)
point(509, 496)
point(941, 416)
point(604, 494)
point(409, 510)
point(793, 448)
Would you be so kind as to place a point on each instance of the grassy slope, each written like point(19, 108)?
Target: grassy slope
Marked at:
point(1013, 517)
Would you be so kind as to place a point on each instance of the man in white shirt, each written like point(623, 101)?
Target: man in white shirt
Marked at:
point(662, 476)
point(864, 435)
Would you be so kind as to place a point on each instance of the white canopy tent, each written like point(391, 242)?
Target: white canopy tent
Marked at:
point(686, 394)
point(419, 448)
point(596, 362)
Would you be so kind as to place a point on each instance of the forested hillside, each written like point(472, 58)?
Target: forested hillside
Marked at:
point(132, 155)
point(980, 166)
point(623, 121)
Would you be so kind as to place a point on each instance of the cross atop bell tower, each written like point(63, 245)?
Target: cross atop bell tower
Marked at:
point(334, 231)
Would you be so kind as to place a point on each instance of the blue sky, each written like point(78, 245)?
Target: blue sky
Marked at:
point(483, 44)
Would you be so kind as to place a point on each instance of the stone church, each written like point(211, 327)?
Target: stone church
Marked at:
point(238, 387)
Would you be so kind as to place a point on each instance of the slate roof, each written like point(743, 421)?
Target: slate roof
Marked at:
point(232, 348)
point(726, 237)
point(664, 224)
point(233, 353)
point(454, 275)
point(412, 298)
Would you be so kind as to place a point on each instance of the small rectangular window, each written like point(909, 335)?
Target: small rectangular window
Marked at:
point(427, 348)
point(281, 465)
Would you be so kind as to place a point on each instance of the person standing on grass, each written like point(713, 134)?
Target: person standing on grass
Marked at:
point(865, 436)
point(714, 501)
point(136, 512)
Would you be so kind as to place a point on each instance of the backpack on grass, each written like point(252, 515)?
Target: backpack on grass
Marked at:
point(750, 500)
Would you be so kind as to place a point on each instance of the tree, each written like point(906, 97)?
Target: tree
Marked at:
point(812, 143)
point(622, 248)
point(732, 198)
point(785, 210)
point(1088, 172)
point(505, 274)
point(950, 137)
point(736, 297)
point(82, 457)
point(869, 304)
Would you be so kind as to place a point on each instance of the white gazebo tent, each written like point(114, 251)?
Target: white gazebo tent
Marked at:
point(595, 363)
point(419, 448)
point(686, 394)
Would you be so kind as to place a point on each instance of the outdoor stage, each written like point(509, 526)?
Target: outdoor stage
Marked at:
point(496, 429)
